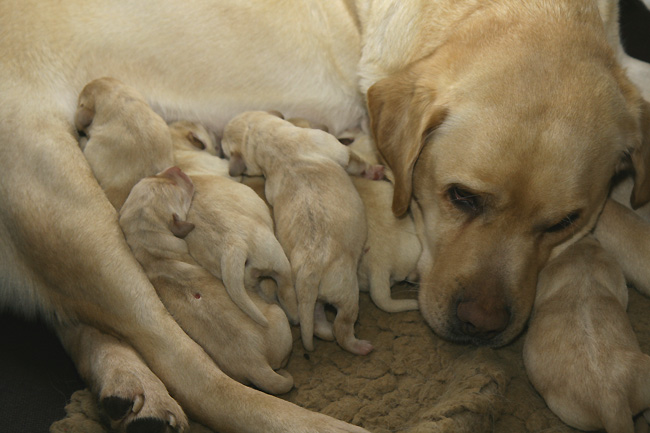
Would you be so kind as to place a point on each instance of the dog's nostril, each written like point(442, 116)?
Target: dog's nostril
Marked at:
point(482, 319)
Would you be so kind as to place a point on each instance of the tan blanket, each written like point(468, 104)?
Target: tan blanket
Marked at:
point(413, 382)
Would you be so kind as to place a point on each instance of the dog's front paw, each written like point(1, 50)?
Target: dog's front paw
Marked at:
point(138, 402)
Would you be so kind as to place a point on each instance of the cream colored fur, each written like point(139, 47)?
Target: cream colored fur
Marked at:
point(580, 352)
point(233, 237)
point(509, 111)
point(124, 139)
point(392, 249)
point(306, 184)
point(154, 222)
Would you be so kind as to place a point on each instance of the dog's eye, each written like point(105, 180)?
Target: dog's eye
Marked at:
point(464, 200)
point(566, 222)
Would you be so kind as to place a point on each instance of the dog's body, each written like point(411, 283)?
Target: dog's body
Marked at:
point(154, 222)
point(523, 107)
point(306, 183)
point(233, 237)
point(580, 351)
point(392, 249)
point(125, 140)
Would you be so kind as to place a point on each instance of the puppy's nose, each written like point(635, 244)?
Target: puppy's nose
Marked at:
point(483, 319)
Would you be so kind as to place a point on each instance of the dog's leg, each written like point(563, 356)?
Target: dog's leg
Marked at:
point(130, 395)
point(63, 251)
point(307, 294)
point(345, 287)
point(626, 235)
point(381, 295)
point(322, 327)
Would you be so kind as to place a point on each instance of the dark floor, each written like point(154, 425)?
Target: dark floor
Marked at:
point(36, 376)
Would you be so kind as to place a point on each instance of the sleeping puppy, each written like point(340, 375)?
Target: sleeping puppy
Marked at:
point(123, 139)
point(233, 237)
point(153, 221)
point(392, 249)
point(580, 343)
point(319, 216)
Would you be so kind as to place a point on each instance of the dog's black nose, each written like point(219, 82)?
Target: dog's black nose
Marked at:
point(484, 319)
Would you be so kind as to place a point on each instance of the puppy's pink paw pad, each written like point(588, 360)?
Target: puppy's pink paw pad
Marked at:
point(374, 172)
point(362, 347)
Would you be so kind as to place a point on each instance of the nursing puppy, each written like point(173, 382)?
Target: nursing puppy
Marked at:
point(153, 219)
point(580, 352)
point(123, 139)
point(319, 216)
point(392, 249)
point(503, 137)
point(233, 236)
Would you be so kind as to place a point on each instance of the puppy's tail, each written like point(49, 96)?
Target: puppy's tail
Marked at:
point(307, 284)
point(233, 272)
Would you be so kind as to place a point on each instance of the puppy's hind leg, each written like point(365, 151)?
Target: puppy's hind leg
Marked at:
point(131, 396)
point(381, 295)
point(343, 292)
point(307, 294)
point(322, 327)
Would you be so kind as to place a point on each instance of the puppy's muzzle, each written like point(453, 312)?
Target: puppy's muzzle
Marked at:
point(480, 320)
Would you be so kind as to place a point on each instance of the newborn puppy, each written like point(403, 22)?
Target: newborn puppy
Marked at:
point(153, 219)
point(319, 216)
point(123, 139)
point(392, 249)
point(233, 236)
point(580, 343)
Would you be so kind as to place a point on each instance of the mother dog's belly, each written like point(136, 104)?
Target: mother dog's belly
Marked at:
point(201, 63)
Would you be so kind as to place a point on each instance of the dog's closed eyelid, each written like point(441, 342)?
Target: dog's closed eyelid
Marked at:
point(564, 223)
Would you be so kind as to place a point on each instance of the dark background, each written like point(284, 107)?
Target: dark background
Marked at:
point(37, 377)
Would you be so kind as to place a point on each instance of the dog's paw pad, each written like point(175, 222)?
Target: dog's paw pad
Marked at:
point(147, 425)
point(361, 347)
point(116, 407)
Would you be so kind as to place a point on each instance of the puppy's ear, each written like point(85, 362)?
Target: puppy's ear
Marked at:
point(276, 113)
point(641, 162)
point(195, 140)
point(237, 165)
point(403, 112)
point(180, 228)
point(83, 117)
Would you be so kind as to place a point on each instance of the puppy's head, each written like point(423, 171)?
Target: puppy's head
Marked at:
point(240, 140)
point(502, 170)
point(91, 96)
point(163, 200)
point(193, 136)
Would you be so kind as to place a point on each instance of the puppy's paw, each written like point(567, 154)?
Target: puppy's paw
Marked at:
point(359, 347)
point(373, 172)
point(137, 401)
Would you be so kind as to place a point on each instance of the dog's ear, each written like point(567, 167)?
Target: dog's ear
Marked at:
point(195, 140)
point(181, 228)
point(83, 117)
point(237, 165)
point(641, 162)
point(403, 113)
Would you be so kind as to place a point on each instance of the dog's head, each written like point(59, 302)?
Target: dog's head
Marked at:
point(163, 199)
point(504, 163)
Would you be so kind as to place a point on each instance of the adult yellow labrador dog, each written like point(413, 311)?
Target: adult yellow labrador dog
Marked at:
point(504, 122)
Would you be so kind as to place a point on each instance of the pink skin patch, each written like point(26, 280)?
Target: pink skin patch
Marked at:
point(197, 296)
point(374, 172)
